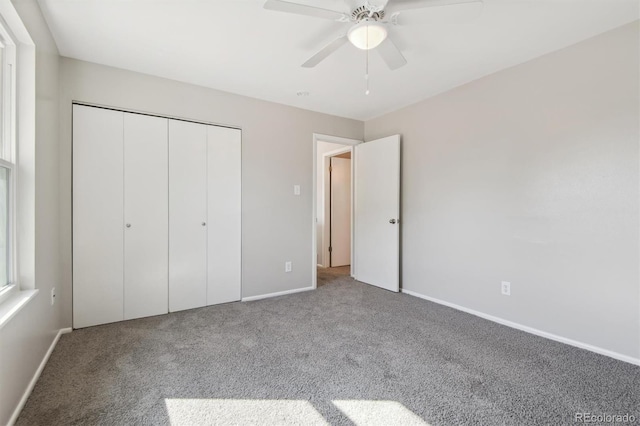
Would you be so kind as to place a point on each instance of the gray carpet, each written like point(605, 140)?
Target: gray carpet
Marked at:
point(347, 353)
point(332, 275)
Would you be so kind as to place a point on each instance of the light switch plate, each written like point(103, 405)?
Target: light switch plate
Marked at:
point(296, 189)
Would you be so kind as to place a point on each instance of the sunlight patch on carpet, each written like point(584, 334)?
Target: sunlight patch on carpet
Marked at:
point(195, 412)
point(381, 413)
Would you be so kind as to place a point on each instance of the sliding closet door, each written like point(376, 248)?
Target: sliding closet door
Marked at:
point(224, 253)
point(146, 259)
point(97, 216)
point(187, 215)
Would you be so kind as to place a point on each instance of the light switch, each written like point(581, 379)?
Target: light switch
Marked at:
point(296, 189)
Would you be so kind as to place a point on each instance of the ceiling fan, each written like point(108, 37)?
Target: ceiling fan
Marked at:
point(369, 29)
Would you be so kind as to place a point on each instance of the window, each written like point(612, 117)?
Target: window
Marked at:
point(7, 156)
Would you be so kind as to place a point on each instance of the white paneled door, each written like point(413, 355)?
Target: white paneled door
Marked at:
point(224, 215)
point(187, 215)
point(340, 211)
point(377, 212)
point(146, 216)
point(98, 226)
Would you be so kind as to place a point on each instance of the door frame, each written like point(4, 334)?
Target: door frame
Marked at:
point(350, 143)
point(326, 158)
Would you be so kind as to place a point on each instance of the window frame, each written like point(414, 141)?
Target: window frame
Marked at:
point(8, 158)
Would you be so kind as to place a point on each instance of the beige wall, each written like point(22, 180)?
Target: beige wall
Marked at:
point(277, 143)
point(530, 175)
point(25, 339)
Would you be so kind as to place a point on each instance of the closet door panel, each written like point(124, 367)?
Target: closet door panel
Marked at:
point(224, 214)
point(98, 241)
point(146, 257)
point(187, 214)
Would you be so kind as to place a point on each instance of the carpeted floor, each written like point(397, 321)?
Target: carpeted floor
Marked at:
point(347, 353)
point(339, 274)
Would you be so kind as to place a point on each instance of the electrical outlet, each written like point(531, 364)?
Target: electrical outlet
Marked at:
point(296, 189)
point(53, 296)
point(287, 266)
point(506, 288)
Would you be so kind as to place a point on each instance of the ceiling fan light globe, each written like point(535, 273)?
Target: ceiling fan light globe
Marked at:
point(367, 35)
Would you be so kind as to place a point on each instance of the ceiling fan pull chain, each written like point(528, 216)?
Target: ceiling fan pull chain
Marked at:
point(366, 73)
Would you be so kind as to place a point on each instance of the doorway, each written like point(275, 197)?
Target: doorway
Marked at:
point(375, 209)
point(339, 209)
point(333, 208)
point(335, 218)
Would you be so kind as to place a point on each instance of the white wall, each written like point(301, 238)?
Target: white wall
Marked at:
point(277, 143)
point(322, 148)
point(531, 176)
point(27, 336)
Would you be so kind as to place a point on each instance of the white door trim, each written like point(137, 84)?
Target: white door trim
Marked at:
point(317, 137)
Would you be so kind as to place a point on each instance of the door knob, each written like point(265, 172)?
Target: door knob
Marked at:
point(204, 223)
point(128, 225)
point(393, 221)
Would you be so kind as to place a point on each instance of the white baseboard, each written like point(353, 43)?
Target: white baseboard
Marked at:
point(36, 376)
point(581, 345)
point(280, 293)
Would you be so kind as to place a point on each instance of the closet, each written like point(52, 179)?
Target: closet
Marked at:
point(156, 215)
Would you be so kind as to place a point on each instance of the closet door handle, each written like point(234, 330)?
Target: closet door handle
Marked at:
point(204, 223)
point(128, 225)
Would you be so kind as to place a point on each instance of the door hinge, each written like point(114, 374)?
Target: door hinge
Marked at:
point(330, 249)
point(330, 169)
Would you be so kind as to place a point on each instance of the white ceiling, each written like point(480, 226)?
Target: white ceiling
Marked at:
point(237, 46)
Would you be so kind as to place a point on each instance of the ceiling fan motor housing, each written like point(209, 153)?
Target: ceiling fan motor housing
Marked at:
point(363, 12)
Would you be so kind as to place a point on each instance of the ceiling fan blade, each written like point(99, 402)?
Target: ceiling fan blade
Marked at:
point(326, 51)
point(302, 9)
point(398, 5)
point(391, 54)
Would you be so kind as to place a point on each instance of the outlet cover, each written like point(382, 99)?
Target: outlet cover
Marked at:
point(506, 288)
point(287, 266)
